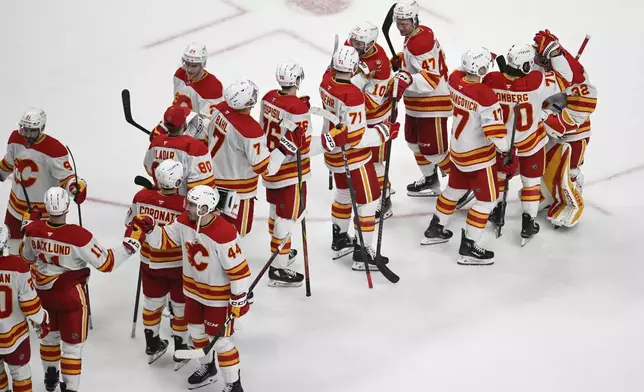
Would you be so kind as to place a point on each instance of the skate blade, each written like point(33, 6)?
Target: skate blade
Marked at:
point(464, 260)
point(466, 201)
point(524, 241)
point(154, 357)
point(433, 241)
point(342, 252)
point(359, 266)
point(179, 363)
point(423, 194)
point(387, 215)
point(275, 283)
point(203, 384)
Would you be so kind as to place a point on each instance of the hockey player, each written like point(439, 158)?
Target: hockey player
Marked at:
point(20, 302)
point(238, 146)
point(478, 135)
point(38, 161)
point(519, 84)
point(215, 280)
point(345, 100)
point(194, 87)
point(568, 125)
point(423, 78)
point(161, 268)
point(282, 189)
point(374, 80)
point(193, 154)
point(61, 254)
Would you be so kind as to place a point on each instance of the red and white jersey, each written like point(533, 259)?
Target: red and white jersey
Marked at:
point(274, 107)
point(239, 153)
point(346, 101)
point(375, 85)
point(62, 253)
point(582, 101)
point(529, 92)
point(201, 95)
point(164, 209)
point(192, 153)
point(478, 119)
point(42, 165)
point(423, 58)
point(214, 265)
point(17, 300)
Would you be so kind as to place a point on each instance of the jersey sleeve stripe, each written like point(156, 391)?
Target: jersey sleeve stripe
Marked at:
point(262, 166)
point(8, 339)
point(432, 79)
point(108, 265)
point(239, 272)
point(495, 131)
point(209, 181)
point(31, 307)
point(5, 165)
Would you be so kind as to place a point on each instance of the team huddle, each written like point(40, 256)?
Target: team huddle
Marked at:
point(529, 117)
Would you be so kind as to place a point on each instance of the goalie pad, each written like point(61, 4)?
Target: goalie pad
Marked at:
point(566, 203)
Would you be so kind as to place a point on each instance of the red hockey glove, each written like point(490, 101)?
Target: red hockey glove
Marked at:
point(292, 141)
point(43, 328)
point(306, 100)
point(238, 305)
point(504, 166)
point(78, 190)
point(30, 217)
point(396, 62)
point(404, 80)
point(133, 238)
point(388, 131)
point(144, 222)
point(546, 43)
point(336, 137)
point(557, 125)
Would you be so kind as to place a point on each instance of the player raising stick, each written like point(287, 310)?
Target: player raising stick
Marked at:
point(38, 162)
point(215, 280)
point(345, 100)
point(161, 272)
point(478, 138)
point(21, 302)
point(61, 254)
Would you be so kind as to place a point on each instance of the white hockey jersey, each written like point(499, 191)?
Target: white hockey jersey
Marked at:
point(201, 95)
point(375, 84)
point(214, 265)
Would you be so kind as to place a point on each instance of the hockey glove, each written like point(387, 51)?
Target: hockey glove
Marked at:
point(388, 131)
point(144, 222)
point(78, 190)
point(238, 305)
point(291, 141)
point(504, 164)
point(558, 124)
point(133, 238)
point(30, 217)
point(396, 62)
point(43, 328)
point(404, 80)
point(337, 136)
point(546, 44)
point(306, 100)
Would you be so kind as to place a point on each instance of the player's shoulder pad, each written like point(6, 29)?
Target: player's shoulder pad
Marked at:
point(246, 125)
point(422, 42)
point(13, 263)
point(195, 147)
point(222, 231)
point(456, 76)
point(184, 219)
point(495, 79)
point(210, 87)
point(351, 95)
point(50, 146)
point(16, 138)
point(529, 82)
point(144, 196)
point(181, 74)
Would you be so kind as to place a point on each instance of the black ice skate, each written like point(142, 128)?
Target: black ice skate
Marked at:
point(472, 254)
point(386, 212)
point(204, 375)
point(358, 261)
point(342, 244)
point(436, 233)
point(278, 277)
point(425, 186)
point(155, 347)
point(528, 228)
point(466, 198)
point(52, 376)
point(179, 344)
point(63, 388)
point(234, 387)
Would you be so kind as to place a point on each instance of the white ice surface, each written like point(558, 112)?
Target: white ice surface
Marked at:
point(564, 313)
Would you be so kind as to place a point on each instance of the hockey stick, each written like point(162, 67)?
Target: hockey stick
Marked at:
point(386, 26)
point(305, 246)
point(136, 305)
point(127, 110)
point(24, 191)
point(144, 182)
point(336, 42)
point(509, 159)
point(202, 352)
point(80, 223)
point(582, 47)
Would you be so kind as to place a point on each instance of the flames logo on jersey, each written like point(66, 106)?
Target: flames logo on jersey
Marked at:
point(194, 249)
point(19, 168)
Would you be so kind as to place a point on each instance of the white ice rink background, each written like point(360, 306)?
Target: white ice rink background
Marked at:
point(565, 313)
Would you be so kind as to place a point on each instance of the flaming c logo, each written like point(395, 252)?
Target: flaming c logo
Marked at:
point(19, 172)
point(194, 249)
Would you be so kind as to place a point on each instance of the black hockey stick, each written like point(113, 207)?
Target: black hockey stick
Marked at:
point(136, 305)
point(144, 182)
point(386, 26)
point(305, 246)
point(24, 191)
point(80, 223)
point(202, 352)
point(508, 161)
point(127, 110)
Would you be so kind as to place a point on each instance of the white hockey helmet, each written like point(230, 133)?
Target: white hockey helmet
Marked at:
point(195, 53)
point(477, 61)
point(407, 10)
point(203, 196)
point(346, 59)
point(33, 118)
point(57, 201)
point(169, 174)
point(366, 33)
point(241, 94)
point(521, 57)
point(4, 236)
point(288, 73)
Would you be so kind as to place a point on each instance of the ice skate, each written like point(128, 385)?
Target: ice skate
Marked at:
point(342, 244)
point(529, 228)
point(179, 344)
point(204, 375)
point(234, 387)
point(291, 257)
point(155, 346)
point(425, 186)
point(388, 210)
point(467, 197)
point(436, 233)
point(358, 261)
point(472, 254)
point(63, 388)
point(278, 277)
point(52, 377)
